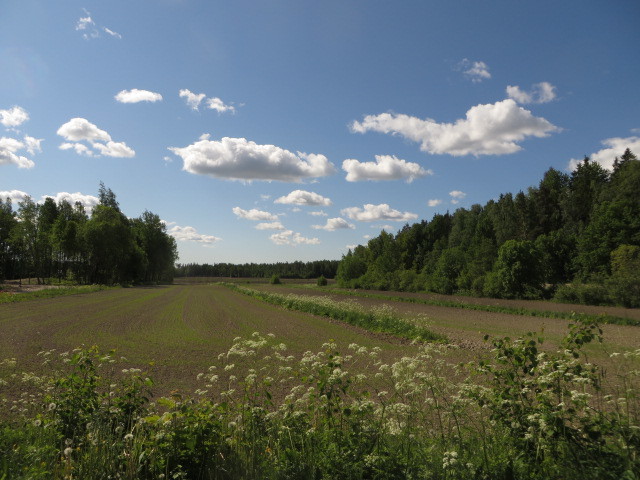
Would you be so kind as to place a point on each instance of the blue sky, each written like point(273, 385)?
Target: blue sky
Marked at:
point(265, 131)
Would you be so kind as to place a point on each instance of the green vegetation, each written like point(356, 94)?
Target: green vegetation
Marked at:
point(576, 236)
point(50, 240)
point(11, 297)
point(530, 312)
point(322, 281)
point(275, 280)
point(377, 320)
point(262, 413)
point(298, 270)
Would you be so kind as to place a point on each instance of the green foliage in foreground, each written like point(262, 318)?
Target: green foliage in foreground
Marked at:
point(11, 297)
point(377, 320)
point(584, 317)
point(333, 414)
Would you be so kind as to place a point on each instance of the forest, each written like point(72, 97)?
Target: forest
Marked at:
point(61, 241)
point(299, 270)
point(575, 237)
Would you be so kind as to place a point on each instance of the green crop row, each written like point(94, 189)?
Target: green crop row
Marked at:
point(11, 297)
point(383, 320)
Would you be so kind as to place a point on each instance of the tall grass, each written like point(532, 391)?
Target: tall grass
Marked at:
point(530, 312)
point(339, 413)
point(377, 320)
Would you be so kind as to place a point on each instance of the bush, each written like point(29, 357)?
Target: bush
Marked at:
point(275, 280)
point(322, 282)
point(583, 293)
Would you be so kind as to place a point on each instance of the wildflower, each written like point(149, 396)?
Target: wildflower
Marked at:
point(68, 451)
point(128, 437)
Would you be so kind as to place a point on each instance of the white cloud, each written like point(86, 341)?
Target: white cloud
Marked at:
point(388, 228)
point(492, 129)
point(386, 167)
point(373, 213)
point(265, 197)
point(476, 71)
point(240, 159)
point(456, 196)
point(288, 237)
point(9, 148)
point(115, 149)
point(135, 95)
point(32, 145)
point(79, 148)
point(16, 196)
point(255, 215)
point(13, 117)
point(80, 129)
point(218, 105)
point(319, 213)
point(84, 22)
point(193, 99)
point(303, 197)
point(88, 201)
point(214, 103)
point(90, 29)
point(434, 202)
point(334, 224)
point(112, 33)
point(189, 234)
point(615, 147)
point(542, 92)
point(270, 226)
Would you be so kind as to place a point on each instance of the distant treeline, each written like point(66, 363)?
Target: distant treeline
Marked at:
point(59, 240)
point(315, 269)
point(575, 237)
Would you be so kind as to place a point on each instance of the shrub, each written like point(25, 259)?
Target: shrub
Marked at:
point(275, 280)
point(322, 282)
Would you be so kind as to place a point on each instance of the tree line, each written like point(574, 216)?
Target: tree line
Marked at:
point(61, 241)
point(574, 236)
point(302, 270)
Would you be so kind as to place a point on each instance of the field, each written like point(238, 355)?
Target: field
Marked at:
point(176, 332)
point(340, 401)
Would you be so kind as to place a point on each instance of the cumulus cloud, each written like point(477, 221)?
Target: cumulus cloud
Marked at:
point(492, 129)
point(456, 196)
point(219, 106)
point(302, 197)
point(542, 92)
point(434, 202)
point(614, 147)
point(135, 95)
point(80, 129)
point(240, 159)
point(475, 71)
point(189, 234)
point(270, 226)
point(16, 196)
point(193, 99)
point(10, 148)
point(255, 215)
point(373, 213)
point(386, 167)
point(334, 224)
point(14, 117)
point(288, 237)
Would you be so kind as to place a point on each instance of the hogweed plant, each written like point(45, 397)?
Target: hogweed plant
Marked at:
point(337, 413)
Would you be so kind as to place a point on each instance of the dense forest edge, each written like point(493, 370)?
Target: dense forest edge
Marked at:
point(574, 238)
point(59, 241)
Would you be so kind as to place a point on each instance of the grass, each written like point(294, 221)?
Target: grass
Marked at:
point(601, 318)
point(380, 320)
point(12, 297)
